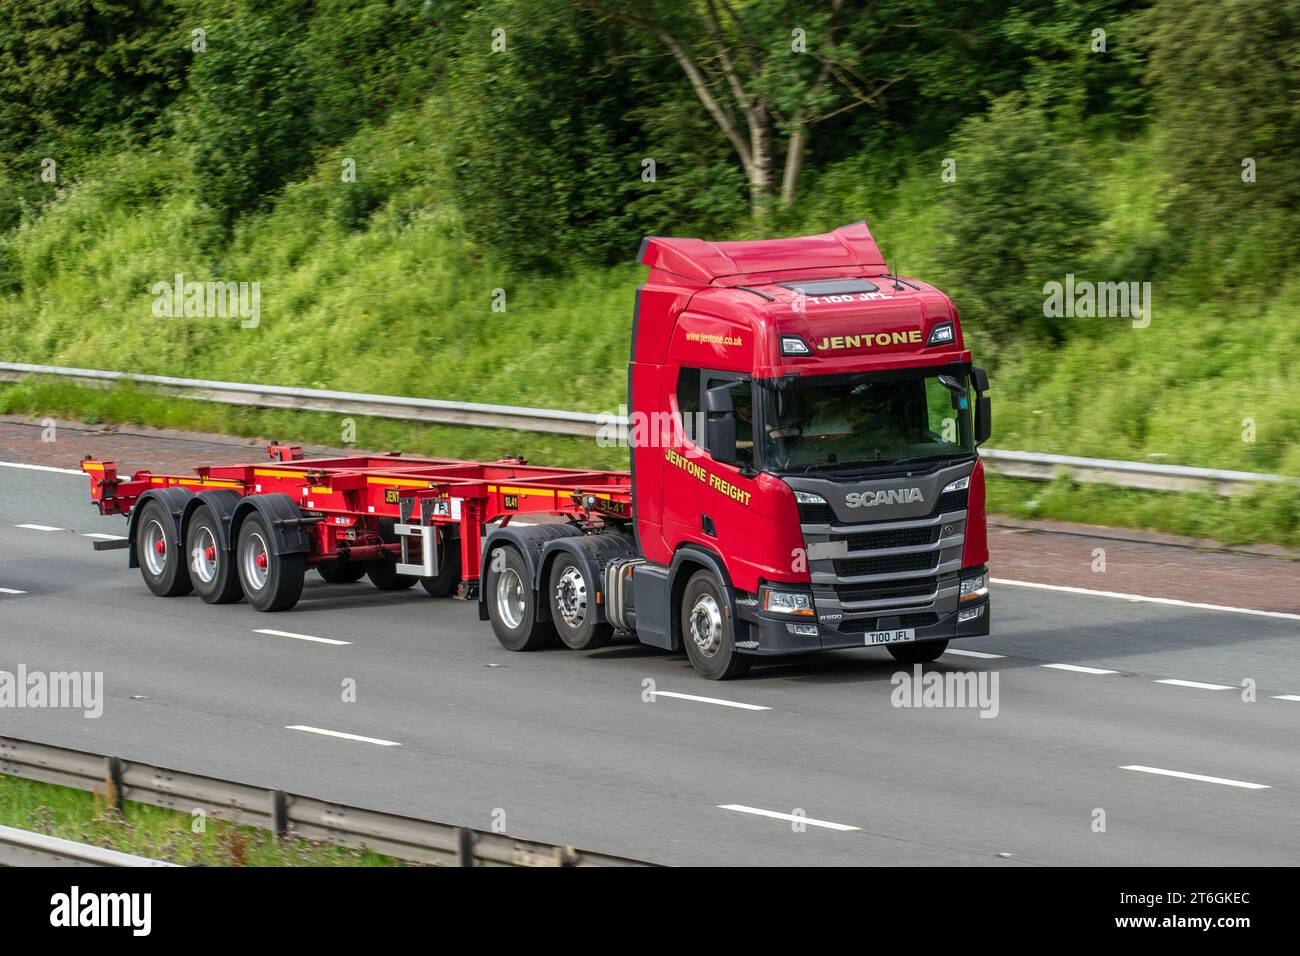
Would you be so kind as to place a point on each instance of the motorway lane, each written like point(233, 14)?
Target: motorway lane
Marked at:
point(571, 752)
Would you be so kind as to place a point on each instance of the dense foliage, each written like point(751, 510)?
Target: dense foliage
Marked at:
point(396, 173)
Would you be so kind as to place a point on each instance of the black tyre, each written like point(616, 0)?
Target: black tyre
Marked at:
point(512, 604)
point(211, 567)
point(161, 557)
point(342, 572)
point(271, 582)
point(573, 608)
point(707, 631)
point(917, 652)
point(383, 575)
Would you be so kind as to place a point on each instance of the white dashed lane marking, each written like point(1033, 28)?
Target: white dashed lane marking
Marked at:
point(789, 817)
point(58, 471)
point(38, 527)
point(343, 736)
point(1182, 775)
point(11, 591)
point(981, 655)
point(1194, 684)
point(1079, 668)
point(709, 700)
point(300, 637)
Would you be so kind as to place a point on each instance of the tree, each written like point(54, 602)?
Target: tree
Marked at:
point(766, 73)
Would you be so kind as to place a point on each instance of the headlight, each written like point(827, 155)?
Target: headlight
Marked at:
point(808, 498)
point(941, 334)
point(788, 602)
point(961, 484)
point(972, 589)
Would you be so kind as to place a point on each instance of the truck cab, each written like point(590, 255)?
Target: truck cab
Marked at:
point(804, 435)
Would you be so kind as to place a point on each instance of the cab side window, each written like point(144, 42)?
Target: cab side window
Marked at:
point(742, 400)
point(688, 403)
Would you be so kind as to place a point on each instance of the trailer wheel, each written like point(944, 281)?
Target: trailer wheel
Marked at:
point(211, 567)
point(383, 575)
point(161, 562)
point(512, 604)
point(573, 606)
point(707, 631)
point(444, 583)
point(918, 652)
point(272, 582)
point(342, 572)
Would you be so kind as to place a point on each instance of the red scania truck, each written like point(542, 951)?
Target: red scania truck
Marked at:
point(804, 476)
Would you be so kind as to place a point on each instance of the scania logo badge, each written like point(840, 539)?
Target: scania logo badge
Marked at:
point(894, 496)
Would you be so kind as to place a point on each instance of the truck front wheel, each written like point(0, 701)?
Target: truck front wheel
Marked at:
point(512, 603)
point(573, 606)
point(707, 631)
point(918, 652)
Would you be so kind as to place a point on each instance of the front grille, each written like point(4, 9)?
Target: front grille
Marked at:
point(864, 624)
point(913, 587)
point(951, 501)
point(815, 514)
point(899, 538)
point(886, 564)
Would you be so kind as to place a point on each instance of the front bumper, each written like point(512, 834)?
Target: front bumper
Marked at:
point(766, 635)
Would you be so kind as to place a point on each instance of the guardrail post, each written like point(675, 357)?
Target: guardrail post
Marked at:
point(464, 846)
point(115, 785)
point(279, 813)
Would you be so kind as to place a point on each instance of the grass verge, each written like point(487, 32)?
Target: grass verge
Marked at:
point(161, 834)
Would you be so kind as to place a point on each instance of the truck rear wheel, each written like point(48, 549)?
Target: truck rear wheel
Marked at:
point(445, 582)
point(383, 575)
point(342, 572)
point(917, 652)
point(512, 604)
point(211, 567)
point(162, 563)
point(272, 582)
point(707, 631)
point(573, 608)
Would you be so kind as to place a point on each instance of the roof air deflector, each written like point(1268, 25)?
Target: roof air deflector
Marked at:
point(830, 286)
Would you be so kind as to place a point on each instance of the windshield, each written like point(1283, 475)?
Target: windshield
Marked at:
point(867, 420)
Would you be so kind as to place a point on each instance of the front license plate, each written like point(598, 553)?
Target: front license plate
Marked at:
point(900, 636)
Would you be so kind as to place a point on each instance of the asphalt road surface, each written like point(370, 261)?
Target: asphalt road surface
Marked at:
point(591, 749)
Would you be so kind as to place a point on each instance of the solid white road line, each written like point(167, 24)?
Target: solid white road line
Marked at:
point(791, 817)
point(103, 537)
point(38, 527)
point(343, 736)
point(710, 700)
point(11, 591)
point(300, 637)
point(1079, 668)
point(982, 655)
point(1174, 682)
point(1149, 600)
point(1287, 697)
point(1198, 776)
point(58, 471)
